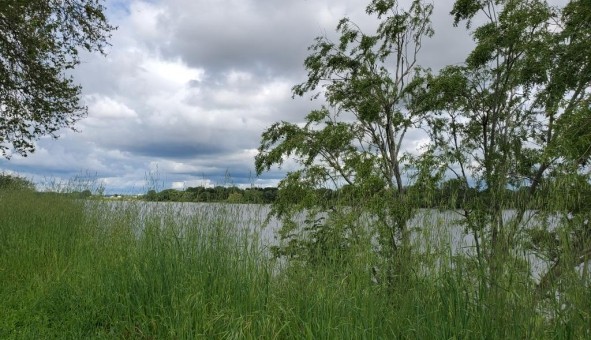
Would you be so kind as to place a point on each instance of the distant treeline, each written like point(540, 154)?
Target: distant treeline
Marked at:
point(216, 194)
point(452, 194)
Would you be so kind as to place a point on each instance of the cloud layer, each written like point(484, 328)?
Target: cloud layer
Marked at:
point(188, 86)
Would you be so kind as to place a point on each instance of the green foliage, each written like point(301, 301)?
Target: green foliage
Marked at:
point(217, 194)
point(100, 270)
point(40, 42)
point(511, 117)
point(16, 183)
point(507, 130)
point(574, 134)
point(71, 270)
point(356, 141)
point(151, 195)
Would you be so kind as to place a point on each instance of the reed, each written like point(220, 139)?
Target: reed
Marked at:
point(89, 269)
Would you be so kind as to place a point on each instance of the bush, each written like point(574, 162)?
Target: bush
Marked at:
point(11, 182)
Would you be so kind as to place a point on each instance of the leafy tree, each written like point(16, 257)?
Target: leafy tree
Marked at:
point(151, 195)
point(169, 195)
point(356, 140)
point(269, 194)
point(253, 195)
point(40, 41)
point(501, 120)
point(568, 95)
point(482, 121)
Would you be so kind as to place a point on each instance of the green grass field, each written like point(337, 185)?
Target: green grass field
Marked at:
point(70, 269)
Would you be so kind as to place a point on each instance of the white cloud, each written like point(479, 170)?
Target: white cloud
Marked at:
point(145, 20)
point(178, 185)
point(103, 110)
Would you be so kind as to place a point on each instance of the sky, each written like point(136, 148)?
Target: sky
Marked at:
point(188, 86)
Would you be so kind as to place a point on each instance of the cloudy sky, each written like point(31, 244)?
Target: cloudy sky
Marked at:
point(188, 86)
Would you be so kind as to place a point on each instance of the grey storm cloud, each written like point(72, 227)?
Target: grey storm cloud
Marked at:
point(176, 149)
point(265, 37)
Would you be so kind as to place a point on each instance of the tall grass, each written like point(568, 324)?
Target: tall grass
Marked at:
point(79, 269)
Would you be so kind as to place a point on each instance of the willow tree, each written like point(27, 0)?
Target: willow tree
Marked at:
point(354, 142)
point(40, 42)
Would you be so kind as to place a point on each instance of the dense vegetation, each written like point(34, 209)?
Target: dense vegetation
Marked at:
point(450, 194)
point(216, 194)
point(357, 255)
point(76, 269)
point(509, 128)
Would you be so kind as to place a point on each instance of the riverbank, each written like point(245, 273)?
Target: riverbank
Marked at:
point(67, 272)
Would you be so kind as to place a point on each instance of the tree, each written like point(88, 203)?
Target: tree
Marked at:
point(483, 124)
point(568, 94)
point(568, 99)
point(356, 140)
point(40, 42)
point(503, 118)
point(151, 195)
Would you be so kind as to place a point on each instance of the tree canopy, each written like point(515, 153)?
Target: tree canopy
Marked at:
point(515, 115)
point(357, 139)
point(513, 118)
point(40, 42)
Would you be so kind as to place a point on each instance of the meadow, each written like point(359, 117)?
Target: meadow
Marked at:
point(72, 269)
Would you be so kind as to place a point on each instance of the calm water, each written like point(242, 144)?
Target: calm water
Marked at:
point(434, 229)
